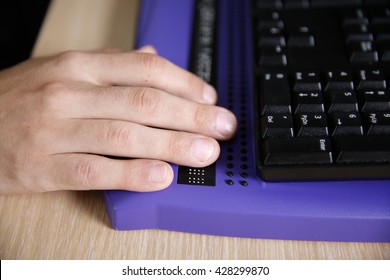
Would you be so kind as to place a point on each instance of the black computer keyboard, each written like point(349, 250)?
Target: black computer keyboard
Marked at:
point(322, 72)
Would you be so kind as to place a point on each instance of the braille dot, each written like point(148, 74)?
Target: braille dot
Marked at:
point(229, 182)
point(230, 174)
point(230, 165)
point(244, 166)
point(244, 183)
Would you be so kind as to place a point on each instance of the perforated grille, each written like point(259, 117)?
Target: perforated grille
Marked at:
point(226, 50)
point(236, 154)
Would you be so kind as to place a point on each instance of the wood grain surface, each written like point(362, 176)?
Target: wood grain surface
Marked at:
point(74, 225)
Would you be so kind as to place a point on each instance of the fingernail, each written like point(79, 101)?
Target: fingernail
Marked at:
point(209, 94)
point(202, 149)
point(226, 123)
point(158, 173)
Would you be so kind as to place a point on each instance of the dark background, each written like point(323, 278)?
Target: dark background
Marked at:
point(20, 21)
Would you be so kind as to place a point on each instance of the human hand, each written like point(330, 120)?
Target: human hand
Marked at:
point(61, 116)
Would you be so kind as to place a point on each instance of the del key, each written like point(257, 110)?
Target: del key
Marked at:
point(274, 94)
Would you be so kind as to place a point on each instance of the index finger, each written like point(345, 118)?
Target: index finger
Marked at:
point(140, 69)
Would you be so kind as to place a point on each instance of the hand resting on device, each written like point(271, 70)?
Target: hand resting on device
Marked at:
point(104, 120)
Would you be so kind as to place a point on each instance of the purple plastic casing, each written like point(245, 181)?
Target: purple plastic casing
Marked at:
point(247, 206)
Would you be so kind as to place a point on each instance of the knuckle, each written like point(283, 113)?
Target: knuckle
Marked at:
point(154, 65)
point(202, 118)
point(68, 58)
point(52, 97)
point(51, 88)
point(193, 83)
point(175, 148)
point(146, 101)
point(87, 173)
point(71, 61)
point(118, 136)
point(129, 179)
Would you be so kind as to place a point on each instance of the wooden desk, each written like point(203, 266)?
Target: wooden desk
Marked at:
point(74, 225)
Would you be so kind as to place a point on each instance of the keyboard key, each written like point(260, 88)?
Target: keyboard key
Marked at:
point(376, 2)
point(377, 123)
point(296, 4)
point(274, 59)
point(356, 28)
point(343, 123)
point(311, 125)
point(372, 79)
point(277, 125)
point(270, 24)
point(363, 149)
point(297, 151)
point(341, 101)
point(363, 52)
point(308, 102)
point(359, 37)
point(272, 40)
point(362, 46)
point(384, 51)
point(269, 4)
point(274, 93)
point(334, 3)
point(364, 57)
point(307, 81)
point(383, 37)
point(355, 20)
point(381, 10)
point(339, 80)
point(381, 22)
point(374, 100)
point(301, 41)
point(272, 56)
point(272, 31)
